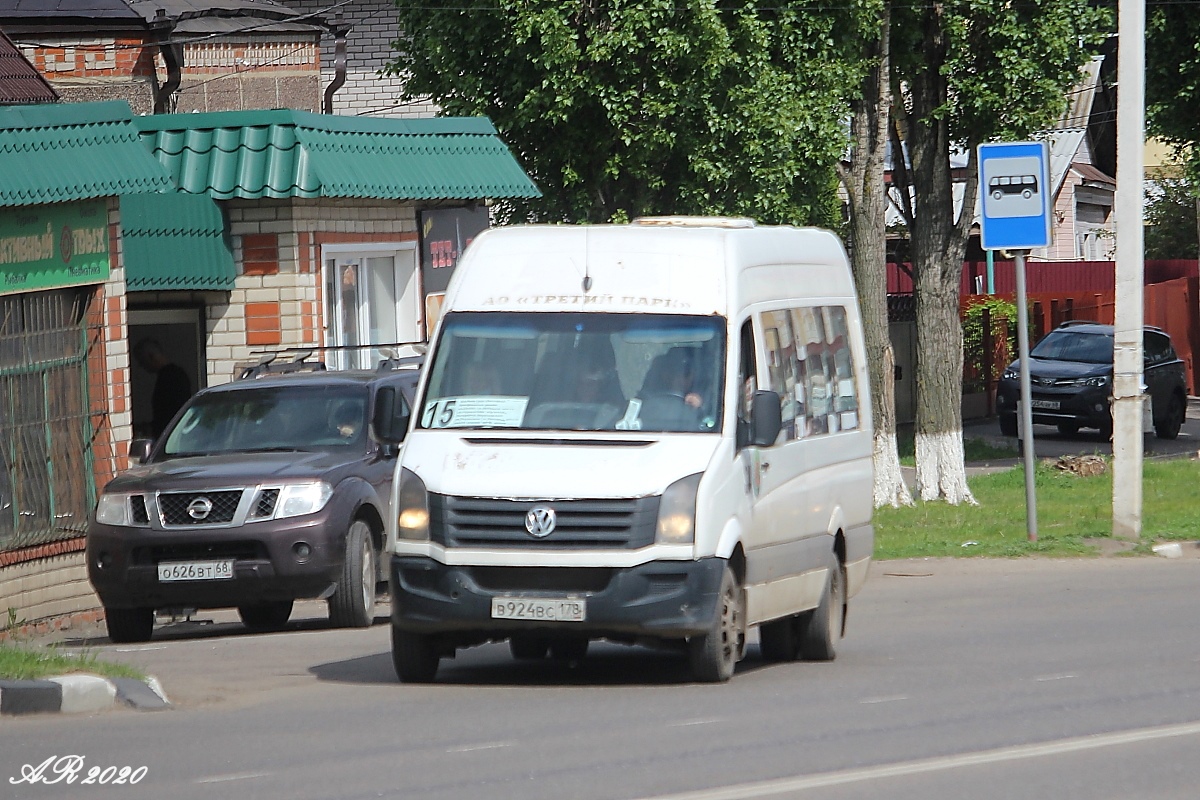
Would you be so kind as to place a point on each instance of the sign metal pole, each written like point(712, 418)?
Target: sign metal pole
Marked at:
point(1026, 421)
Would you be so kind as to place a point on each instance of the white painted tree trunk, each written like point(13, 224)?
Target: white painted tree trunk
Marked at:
point(890, 488)
point(941, 470)
point(863, 178)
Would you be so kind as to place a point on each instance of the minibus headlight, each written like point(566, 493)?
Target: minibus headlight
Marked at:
point(412, 515)
point(299, 499)
point(677, 512)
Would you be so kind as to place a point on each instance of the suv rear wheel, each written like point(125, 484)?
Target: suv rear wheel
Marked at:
point(266, 616)
point(1169, 427)
point(353, 602)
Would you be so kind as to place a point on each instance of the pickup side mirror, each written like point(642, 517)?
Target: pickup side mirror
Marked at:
point(390, 422)
point(766, 418)
point(139, 450)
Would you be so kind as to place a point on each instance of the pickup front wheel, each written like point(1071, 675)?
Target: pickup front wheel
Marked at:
point(353, 602)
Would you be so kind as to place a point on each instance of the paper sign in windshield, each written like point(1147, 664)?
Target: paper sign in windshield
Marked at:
point(475, 411)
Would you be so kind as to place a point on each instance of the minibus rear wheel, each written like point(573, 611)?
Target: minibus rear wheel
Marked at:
point(715, 653)
point(821, 628)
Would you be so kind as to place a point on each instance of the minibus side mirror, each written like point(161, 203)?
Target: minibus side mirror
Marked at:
point(390, 421)
point(139, 450)
point(766, 418)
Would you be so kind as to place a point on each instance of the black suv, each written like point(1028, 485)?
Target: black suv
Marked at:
point(1071, 375)
point(271, 488)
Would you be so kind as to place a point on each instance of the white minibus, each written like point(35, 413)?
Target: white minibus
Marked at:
point(653, 433)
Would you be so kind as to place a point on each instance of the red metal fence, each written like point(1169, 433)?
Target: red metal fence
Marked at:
point(1173, 305)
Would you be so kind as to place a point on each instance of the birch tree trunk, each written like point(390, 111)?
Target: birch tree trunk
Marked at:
point(939, 245)
point(864, 182)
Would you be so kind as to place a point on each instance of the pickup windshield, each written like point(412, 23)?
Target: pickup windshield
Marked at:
point(576, 372)
point(269, 419)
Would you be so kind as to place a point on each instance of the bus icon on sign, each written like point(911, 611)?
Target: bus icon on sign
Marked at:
point(1012, 187)
point(1024, 185)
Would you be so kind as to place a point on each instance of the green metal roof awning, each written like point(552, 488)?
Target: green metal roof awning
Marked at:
point(58, 153)
point(281, 153)
point(175, 242)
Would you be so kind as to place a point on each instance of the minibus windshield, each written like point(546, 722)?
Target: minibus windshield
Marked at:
point(576, 372)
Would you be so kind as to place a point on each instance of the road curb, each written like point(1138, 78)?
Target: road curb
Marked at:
point(79, 693)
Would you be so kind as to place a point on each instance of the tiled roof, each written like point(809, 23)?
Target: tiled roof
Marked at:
point(175, 241)
point(78, 9)
point(226, 16)
point(1092, 175)
point(281, 153)
point(20, 82)
point(57, 152)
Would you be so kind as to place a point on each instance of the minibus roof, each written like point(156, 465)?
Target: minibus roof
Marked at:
point(685, 265)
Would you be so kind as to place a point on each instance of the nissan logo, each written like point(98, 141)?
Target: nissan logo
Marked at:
point(540, 521)
point(200, 508)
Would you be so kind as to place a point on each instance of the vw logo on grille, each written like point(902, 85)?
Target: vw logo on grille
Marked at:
point(540, 521)
point(199, 508)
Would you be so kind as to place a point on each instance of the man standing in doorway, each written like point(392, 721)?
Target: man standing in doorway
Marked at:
point(172, 388)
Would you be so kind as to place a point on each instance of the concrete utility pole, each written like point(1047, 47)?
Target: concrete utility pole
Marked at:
point(1129, 313)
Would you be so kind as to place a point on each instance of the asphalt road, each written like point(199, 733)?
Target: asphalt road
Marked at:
point(959, 678)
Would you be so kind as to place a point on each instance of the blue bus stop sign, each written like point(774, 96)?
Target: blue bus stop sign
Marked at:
point(1014, 184)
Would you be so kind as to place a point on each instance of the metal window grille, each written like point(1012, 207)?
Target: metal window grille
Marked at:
point(46, 478)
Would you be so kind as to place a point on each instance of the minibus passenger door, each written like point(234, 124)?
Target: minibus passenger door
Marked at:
point(755, 463)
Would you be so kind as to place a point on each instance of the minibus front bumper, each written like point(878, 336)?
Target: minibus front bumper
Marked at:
point(661, 599)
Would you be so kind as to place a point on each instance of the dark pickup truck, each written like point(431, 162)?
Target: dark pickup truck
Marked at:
point(262, 491)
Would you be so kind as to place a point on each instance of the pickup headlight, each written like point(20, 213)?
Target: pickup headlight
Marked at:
point(412, 513)
point(113, 509)
point(677, 512)
point(302, 498)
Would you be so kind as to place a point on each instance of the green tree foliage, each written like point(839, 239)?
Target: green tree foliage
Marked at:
point(982, 365)
point(1171, 230)
point(619, 108)
point(1173, 77)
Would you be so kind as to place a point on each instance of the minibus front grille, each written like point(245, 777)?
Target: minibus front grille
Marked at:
point(578, 524)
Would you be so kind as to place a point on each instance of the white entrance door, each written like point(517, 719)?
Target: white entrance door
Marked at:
point(371, 301)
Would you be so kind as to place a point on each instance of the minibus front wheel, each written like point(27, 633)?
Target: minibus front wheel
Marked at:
point(715, 653)
point(414, 656)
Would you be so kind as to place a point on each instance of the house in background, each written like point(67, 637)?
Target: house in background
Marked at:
point(371, 29)
point(20, 82)
point(162, 55)
point(64, 392)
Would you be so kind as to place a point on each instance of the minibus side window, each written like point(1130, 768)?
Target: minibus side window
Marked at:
point(785, 367)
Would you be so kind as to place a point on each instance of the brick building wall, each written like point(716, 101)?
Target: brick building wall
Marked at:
point(277, 300)
point(90, 69)
point(270, 71)
point(55, 586)
point(50, 580)
point(373, 28)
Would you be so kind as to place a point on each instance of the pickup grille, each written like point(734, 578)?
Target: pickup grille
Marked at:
point(174, 507)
